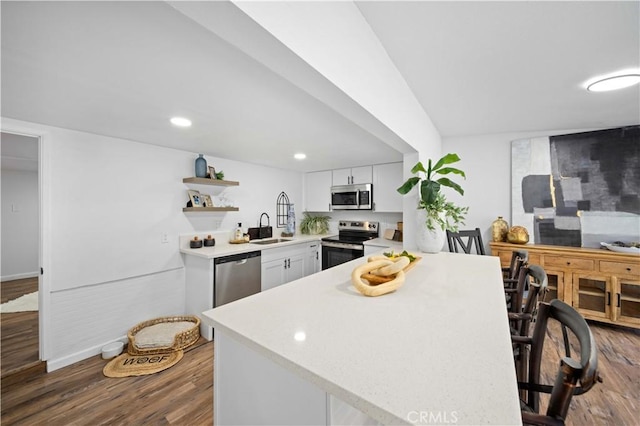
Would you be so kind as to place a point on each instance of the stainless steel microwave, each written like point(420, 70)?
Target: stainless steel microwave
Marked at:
point(352, 197)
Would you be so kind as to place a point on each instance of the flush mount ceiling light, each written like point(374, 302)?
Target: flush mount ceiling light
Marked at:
point(616, 81)
point(180, 122)
point(299, 156)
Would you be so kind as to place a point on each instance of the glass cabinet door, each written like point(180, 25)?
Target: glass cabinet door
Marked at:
point(592, 295)
point(627, 301)
point(555, 288)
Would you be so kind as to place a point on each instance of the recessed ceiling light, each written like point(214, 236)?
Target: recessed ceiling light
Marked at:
point(300, 156)
point(181, 122)
point(613, 81)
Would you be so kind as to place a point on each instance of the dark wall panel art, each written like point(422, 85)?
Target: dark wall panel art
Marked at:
point(578, 189)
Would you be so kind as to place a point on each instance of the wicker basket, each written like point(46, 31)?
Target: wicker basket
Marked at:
point(181, 340)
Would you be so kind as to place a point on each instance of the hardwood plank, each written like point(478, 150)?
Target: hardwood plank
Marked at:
point(19, 348)
point(81, 395)
point(20, 336)
point(13, 289)
point(615, 401)
point(183, 394)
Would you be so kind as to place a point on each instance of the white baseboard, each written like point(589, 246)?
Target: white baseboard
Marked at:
point(58, 363)
point(18, 276)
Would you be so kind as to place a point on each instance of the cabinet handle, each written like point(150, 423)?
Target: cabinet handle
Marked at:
point(608, 298)
point(629, 269)
point(568, 263)
point(618, 305)
point(317, 256)
point(288, 263)
point(285, 264)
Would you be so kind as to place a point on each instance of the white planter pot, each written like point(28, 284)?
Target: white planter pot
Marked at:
point(428, 241)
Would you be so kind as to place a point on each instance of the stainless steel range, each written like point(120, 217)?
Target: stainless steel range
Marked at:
point(349, 244)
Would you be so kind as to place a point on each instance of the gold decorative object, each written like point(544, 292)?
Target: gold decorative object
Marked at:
point(518, 235)
point(499, 229)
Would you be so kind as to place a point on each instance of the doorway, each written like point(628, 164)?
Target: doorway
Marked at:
point(20, 268)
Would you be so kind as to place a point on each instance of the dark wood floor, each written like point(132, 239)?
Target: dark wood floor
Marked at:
point(19, 331)
point(10, 290)
point(81, 395)
point(183, 395)
point(615, 401)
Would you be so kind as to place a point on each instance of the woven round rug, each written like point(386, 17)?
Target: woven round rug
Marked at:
point(127, 365)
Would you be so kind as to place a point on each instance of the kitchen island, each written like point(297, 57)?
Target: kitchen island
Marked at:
point(315, 351)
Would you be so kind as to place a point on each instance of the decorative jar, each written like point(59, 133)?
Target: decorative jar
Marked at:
point(499, 230)
point(201, 166)
point(518, 235)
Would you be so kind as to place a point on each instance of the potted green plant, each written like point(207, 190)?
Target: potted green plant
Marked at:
point(436, 214)
point(314, 224)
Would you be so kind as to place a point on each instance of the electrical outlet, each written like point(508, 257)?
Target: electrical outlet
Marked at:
point(164, 238)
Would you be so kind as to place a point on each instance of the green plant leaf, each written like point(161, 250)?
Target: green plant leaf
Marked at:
point(447, 170)
point(429, 191)
point(450, 184)
point(447, 159)
point(408, 185)
point(418, 168)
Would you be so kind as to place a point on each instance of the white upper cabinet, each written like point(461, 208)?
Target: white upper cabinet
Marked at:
point(317, 191)
point(387, 178)
point(352, 175)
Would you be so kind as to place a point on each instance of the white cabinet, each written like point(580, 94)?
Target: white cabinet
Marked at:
point(199, 289)
point(281, 265)
point(387, 178)
point(317, 191)
point(312, 260)
point(352, 175)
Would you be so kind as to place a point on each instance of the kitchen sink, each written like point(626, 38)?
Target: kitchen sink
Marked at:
point(271, 241)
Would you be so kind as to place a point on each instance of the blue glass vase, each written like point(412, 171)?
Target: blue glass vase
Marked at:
point(201, 166)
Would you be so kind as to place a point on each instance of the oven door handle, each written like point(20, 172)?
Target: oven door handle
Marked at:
point(358, 198)
point(343, 246)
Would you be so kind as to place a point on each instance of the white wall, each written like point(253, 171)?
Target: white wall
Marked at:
point(19, 224)
point(486, 160)
point(106, 203)
point(349, 54)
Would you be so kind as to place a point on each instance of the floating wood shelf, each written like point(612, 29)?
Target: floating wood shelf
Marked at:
point(210, 209)
point(207, 181)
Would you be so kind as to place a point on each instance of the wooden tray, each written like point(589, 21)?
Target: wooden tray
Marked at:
point(238, 242)
point(376, 279)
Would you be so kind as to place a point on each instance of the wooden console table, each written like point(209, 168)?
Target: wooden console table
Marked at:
point(602, 285)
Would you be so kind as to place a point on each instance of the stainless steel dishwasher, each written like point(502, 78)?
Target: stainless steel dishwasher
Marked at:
point(236, 276)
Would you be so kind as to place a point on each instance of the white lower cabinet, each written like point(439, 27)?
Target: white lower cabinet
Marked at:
point(253, 389)
point(284, 264)
point(312, 261)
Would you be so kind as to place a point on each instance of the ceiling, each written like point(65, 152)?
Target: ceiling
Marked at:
point(123, 69)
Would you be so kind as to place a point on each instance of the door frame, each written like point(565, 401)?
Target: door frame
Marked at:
point(44, 232)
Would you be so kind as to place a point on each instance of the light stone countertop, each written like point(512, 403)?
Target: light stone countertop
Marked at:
point(224, 248)
point(439, 345)
point(383, 242)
